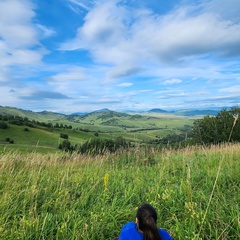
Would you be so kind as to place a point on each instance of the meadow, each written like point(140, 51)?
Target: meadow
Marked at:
point(107, 125)
point(61, 196)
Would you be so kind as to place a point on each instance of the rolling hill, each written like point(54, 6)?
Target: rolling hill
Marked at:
point(44, 128)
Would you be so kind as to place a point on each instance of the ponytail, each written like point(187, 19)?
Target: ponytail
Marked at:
point(147, 222)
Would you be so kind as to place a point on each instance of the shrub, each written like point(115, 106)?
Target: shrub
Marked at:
point(64, 135)
point(3, 125)
point(225, 127)
point(66, 146)
point(100, 146)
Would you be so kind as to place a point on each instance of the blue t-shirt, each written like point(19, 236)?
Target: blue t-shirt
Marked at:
point(130, 232)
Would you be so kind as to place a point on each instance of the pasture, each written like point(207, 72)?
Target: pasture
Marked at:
point(108, 125)
point(62, 196)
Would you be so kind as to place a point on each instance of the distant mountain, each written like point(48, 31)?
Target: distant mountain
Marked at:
point(196, 112)
point(157, 110)
point(79, 113)
point(100, 114)
point(102, 110)
point(104, 114)
point(85, 113)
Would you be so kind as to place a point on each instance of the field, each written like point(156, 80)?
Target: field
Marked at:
point(61, 196)
point(108, 124)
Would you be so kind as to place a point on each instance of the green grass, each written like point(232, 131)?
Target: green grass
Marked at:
point(60, 196)
point(38, 116)
point(133, 129)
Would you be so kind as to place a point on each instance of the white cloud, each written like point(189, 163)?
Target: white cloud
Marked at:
point(72, 74)
point(71, 80)
point(80, 4)
point(45, 32)
point(173, 95)
point(232, 89)
point(118, 35)
point(226, 9)
point(185, 46)
point(15, 23)
point(172, 81)
point(19, 37)
point(125, 85)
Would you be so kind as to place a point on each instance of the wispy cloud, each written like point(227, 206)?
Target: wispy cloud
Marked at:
point(115, 53)
point(80, 4)
point(113, 34)
point(41, 95)
point(125, 84)
point(45, 32)
point(232, 89)
point(172, 81)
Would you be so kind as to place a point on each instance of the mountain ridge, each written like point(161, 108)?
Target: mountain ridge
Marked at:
point(105, 113)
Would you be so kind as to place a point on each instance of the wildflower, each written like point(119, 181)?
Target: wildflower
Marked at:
point(106, 178)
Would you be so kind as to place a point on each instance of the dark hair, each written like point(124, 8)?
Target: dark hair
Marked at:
point(147, 222)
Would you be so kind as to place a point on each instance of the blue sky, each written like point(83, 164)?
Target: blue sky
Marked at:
point(83, 55)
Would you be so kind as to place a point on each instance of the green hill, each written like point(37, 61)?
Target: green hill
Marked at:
point(44, 128)
point(38, 116)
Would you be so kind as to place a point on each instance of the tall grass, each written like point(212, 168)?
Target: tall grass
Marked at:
point(60, 196)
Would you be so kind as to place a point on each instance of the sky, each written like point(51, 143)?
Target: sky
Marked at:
point(83, 55)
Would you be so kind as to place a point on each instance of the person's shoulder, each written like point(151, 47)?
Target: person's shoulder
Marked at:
point(164, 234)
point(129, 232)
point(129, 225)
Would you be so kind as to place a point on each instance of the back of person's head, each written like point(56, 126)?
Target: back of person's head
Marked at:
point(147, 222)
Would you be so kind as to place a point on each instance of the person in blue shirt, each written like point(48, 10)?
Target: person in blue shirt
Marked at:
point(145, 227)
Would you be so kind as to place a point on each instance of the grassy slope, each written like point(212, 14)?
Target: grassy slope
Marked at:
point(38, 139)
point(109, 124)
point(38, 116)
point(74, 197)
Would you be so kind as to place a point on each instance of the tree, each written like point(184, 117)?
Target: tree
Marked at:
point(224, 127)
point(100, 145)
point(64, 135)
point(3, 125)
point(66, 146)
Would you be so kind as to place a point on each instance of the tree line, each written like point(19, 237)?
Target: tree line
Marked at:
point(222, 128)
point(95, 145)
point(24, 121)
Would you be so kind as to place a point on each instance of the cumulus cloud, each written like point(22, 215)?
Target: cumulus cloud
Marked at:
point(119, 35)
point(19, 37)
point(184, 47)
